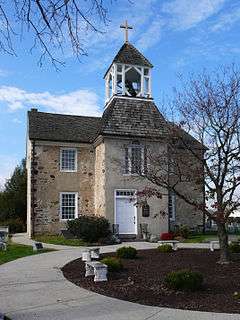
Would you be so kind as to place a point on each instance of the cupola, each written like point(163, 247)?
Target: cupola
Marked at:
point(129, 74)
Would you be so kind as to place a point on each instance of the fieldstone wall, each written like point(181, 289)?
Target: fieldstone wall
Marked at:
point(49, 181)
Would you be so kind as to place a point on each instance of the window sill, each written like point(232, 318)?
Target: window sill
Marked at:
point(68, 171)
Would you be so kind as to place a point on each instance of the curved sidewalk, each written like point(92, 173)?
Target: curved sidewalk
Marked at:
point(34, 288)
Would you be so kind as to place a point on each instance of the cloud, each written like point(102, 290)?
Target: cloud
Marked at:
point(7, 166)
point(102, 47)
point(226, 20)
point(185, 14)
point(4, 73)
point(16, 120)
point(80, 102)
point(151, 36)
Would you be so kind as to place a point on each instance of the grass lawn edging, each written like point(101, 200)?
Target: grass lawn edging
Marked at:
point(15, 251)
point(60, 240)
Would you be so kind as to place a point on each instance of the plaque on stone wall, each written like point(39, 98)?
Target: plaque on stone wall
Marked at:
point(145, 210)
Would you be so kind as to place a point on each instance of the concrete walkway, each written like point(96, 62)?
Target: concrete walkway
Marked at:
point(22, 238)
point(34, 288)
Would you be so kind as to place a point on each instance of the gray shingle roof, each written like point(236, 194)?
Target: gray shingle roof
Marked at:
point(130, 55)
point(59, 127)
point(133, 117)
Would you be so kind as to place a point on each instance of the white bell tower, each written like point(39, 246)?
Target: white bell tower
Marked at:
point(130, 72)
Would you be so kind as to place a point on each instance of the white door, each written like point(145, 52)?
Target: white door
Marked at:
point(126, 211)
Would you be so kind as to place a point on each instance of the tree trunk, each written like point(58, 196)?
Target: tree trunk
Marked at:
point(223, 242)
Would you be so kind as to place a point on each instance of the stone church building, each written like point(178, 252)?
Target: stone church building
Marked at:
point(92, 165)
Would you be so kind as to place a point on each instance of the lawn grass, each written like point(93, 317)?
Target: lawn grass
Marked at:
point(15, 251)
point(200, 238)
point(55, 239)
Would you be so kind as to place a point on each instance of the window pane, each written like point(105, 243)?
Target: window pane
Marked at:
point(136, 160)
point(68, 205)
point(68, 159)
point(146, 72)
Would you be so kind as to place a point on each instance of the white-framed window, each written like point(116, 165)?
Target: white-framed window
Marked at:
point(135, 159)
point(68, 159)
point(68, 205)
point(172, 205)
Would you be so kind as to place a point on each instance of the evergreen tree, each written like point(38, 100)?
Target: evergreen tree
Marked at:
point(13, 199)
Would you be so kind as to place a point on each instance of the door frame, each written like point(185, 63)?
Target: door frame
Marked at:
point(135, 207)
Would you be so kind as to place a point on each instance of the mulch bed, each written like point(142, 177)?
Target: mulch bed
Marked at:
point(142, 280)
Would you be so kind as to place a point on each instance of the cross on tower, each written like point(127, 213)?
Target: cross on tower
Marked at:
point(126, 27)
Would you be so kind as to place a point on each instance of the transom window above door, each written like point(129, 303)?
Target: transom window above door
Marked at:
point(68, 159)
point(125, 193)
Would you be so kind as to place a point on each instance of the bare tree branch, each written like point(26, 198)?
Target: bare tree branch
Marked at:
point(53, 25)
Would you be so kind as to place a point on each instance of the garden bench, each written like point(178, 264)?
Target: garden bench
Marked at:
point(173, 243)
point(213, 243)
point(89, 254)
point(96, 269)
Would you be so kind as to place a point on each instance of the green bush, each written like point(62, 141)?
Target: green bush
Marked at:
point(184, 280)
point(15, 225)
point(234, 247)
point(114, 264)
point(182, 231)
point(89, 228)
point(127, 253)
point(165, 248)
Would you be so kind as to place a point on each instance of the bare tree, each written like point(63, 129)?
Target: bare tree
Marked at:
point(203, 149)
point(52, 25)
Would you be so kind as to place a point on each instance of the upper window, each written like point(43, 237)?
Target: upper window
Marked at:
point(135, 159)
point(68, 205)
point(68, 160)
point(172, 205)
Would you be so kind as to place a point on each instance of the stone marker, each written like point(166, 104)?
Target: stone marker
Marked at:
point(37, 246)
point(3, 246)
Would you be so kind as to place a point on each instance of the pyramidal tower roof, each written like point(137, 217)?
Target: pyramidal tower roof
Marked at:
point(128, 54)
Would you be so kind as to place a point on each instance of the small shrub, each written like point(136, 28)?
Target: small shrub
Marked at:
point(166, 236)
point(114, 264)
point(127, 253)
point(182, 231)
point(234, 247)
point(89, 228)
point(165, 248)
point(184, 280)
